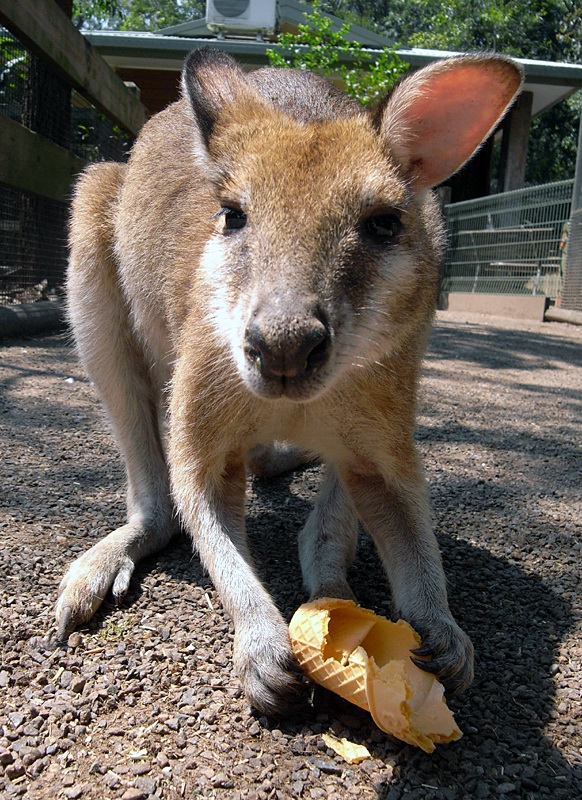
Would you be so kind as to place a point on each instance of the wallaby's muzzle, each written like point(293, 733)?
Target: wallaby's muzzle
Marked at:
point(286, 349)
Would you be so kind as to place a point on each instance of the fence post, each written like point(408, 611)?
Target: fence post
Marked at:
point(571, 294)
point(577, 193)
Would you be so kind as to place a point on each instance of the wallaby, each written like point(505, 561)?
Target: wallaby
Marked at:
point(264, 270)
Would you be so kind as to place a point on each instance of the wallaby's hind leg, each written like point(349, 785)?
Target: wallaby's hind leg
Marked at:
point(268, 461)
point(115, 363)
point(327, 543)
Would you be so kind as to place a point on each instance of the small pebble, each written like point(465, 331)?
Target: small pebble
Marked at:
point(133, 793)
point(73, 792)
point(74, 639)
point(222, 781)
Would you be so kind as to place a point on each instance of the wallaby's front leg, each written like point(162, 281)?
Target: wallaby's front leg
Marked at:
point(151, 522)
point(115, 361)
point(396, 513)
point(209, 427)
point(212, 509)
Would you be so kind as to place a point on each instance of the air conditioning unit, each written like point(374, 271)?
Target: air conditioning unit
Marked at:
point(241, 16)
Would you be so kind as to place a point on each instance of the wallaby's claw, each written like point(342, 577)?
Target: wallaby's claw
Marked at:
point(433, 666)
point(451, 654)
point(424, 651)
point(279, 690)
point(66, 623)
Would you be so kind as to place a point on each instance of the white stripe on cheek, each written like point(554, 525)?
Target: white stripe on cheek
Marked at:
point(224, 310)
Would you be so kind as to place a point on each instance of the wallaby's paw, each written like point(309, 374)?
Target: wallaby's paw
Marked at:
point(270, 676)
point(86, 583)
point(450, 653)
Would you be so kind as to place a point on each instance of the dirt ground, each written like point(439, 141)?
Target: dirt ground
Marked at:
point(143, 703)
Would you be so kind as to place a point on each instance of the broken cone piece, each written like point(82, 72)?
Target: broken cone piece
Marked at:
point(352, 753)
point(365, 659)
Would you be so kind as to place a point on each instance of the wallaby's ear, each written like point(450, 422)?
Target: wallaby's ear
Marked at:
point(437, 118)
point(212, 80)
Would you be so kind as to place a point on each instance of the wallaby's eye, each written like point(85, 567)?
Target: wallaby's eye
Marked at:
point(383, 227)
point(234, 218)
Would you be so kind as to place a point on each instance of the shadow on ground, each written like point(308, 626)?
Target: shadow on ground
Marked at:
point(500, 348)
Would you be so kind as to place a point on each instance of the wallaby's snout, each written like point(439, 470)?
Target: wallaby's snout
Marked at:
point(286, 346)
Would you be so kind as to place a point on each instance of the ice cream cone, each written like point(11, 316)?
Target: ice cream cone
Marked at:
point(365, 659)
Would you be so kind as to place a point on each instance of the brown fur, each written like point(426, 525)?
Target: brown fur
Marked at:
point(209, 342)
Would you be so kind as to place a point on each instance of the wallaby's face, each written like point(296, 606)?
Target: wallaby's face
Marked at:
point(326, 254)
point(308, 257)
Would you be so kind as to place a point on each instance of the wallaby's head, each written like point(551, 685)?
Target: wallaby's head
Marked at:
point(327, 244)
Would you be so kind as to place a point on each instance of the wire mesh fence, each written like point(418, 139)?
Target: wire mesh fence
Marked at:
point(33, 253)
point(571, 298)
point(33, 247)
point(510, 243)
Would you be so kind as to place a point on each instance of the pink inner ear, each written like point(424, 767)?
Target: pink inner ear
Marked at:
point(452, 114)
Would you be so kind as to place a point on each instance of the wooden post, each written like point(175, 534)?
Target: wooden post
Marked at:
point(577, 193)
point(474, 180)
point(514, 144)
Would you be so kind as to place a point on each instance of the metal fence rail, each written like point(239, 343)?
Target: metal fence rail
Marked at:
point(510, 243)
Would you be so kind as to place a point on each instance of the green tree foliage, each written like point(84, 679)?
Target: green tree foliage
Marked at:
point(553, 143)
point(135, 15)
point(318, 48)
point(542, 29)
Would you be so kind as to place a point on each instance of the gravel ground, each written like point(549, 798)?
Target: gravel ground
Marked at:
point(142, 703)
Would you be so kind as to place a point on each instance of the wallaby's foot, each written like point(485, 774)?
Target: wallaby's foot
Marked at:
point(269, 674)
point(107, 565)
point(328, 542)
point(450, 651)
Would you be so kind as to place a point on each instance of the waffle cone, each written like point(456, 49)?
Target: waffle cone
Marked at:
point(365, 659)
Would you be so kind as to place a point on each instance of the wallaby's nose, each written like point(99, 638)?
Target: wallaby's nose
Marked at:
point(289, 348)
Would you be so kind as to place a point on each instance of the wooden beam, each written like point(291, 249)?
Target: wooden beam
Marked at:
point(34, 164)
point(43, 27)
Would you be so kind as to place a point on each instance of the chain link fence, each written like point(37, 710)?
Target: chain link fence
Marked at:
point(510, 243)
point(33, 228)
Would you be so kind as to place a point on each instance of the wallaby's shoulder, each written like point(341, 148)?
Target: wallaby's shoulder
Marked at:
point(102, 183)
